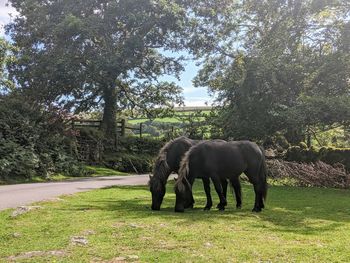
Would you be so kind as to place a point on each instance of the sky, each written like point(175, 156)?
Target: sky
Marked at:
point(193, 96)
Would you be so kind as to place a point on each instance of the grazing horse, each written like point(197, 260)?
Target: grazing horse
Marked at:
point(168, 161)
point(219, 160)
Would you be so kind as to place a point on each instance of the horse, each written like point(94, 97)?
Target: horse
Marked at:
point(168, 161)
point(220, 160)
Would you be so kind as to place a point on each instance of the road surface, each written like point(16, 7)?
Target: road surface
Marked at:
point(12, 196)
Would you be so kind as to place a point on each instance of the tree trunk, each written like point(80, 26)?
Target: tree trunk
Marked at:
point(109, 120)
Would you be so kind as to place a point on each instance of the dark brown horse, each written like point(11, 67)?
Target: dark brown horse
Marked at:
point(168, 161)
point(220, 160)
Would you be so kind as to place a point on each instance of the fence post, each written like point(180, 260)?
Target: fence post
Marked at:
point(122, 132)
point(141, 124)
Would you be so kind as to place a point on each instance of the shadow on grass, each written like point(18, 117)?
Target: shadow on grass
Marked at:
point(288, 209)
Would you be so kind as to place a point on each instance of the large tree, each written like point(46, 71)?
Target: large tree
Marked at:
point(79, 53)
point(270, 59)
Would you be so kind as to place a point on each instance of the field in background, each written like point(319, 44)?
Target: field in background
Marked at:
point(177, 118)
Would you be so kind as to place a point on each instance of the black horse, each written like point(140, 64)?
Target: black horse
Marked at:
point(168, 161)
point(219, 160)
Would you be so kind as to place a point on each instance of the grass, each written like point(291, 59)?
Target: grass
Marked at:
point(102, 171)
point(173, 119)
point(93, 171)
point(298, 225)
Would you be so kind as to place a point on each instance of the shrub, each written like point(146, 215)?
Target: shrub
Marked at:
point(33, 140)
point(139, 146)
point(327, 155)
point(336, 155)
point(129, 163)
point(133, 154)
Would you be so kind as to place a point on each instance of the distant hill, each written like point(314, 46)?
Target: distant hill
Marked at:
point(193, 108)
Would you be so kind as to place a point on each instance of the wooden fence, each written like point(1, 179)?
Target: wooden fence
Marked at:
point(121, 126)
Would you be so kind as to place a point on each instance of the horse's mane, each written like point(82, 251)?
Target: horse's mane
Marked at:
point(183, 172)
point(161, 168)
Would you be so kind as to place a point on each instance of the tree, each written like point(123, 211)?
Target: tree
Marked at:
point(79, 53)
point(268, 55)
point(6, 57)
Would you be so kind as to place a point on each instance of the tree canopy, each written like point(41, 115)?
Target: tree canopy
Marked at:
point(81, 53)
point(271, 60)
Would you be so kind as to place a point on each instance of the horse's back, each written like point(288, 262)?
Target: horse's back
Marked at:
point(176, 150)
point(223, 157)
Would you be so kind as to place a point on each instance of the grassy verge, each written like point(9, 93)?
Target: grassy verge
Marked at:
point(298, 225)
point(92, 171)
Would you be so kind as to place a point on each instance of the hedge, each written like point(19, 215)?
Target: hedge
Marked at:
point(328, 155)
point(133, 155)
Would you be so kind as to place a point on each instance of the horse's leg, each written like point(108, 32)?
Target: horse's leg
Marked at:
point(259, 204)
point(236, 184)
point(258, 189)
point(224, 189)
point(206, 184)
point(218, 188)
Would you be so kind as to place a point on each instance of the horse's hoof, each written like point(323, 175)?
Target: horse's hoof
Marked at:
point(238, 206)
point(207, 208)
point(221, 207)
point(256, 209)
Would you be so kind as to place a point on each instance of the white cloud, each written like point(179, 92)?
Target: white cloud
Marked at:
point(5, 16)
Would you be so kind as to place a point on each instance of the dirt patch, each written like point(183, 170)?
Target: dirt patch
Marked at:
point(31, 254)
point(120, 259)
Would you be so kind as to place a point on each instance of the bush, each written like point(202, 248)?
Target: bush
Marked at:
point(140, 146)
point(327, 155)
point(129, 163)
point(33, 141)
point(336, 155)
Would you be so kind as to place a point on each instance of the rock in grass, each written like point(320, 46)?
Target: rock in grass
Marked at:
point(79, 240)
point(16, 235)
point(23, 209)
point(133, 257)
point(118, 260)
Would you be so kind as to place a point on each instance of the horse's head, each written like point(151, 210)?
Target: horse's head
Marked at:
point(157, 189)
point(184, 197)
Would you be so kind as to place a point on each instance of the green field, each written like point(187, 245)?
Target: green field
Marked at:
point(298, 225)
point(174, 119)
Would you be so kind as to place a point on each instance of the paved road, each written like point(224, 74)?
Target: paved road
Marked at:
point(12, 196)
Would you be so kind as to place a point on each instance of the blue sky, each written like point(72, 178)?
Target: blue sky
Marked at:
point(193, 96)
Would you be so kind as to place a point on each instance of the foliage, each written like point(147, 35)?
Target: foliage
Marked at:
point(33, 141)
point(317, 174)
point(129, 163)
point(6, 57)
point(328, 155)
point(277, 66)
point(298, 225)
point(79, 53)
point(133, 154)
point(134, 145)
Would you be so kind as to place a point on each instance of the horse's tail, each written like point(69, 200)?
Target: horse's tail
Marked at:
point(263, 175)
point(183, 172)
